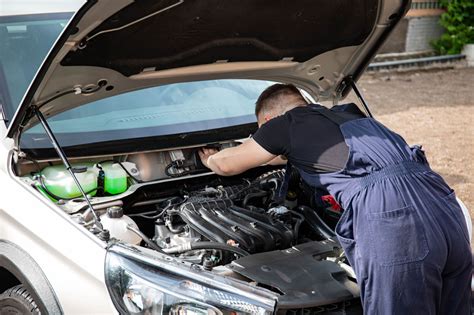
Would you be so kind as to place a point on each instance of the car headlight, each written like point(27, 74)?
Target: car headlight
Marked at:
point(137, 287)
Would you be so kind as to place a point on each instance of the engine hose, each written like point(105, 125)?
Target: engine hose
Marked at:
point(298, 223)
point(250, 196)
point(146, 239)
point(237, 193)
point(260, 181)
point(313, 219)
point(296, 228)
point(169, 223)
point(175, 230)
point(206, 245)
point(183, 172)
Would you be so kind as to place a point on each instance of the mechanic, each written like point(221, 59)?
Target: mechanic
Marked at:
point(402, 229)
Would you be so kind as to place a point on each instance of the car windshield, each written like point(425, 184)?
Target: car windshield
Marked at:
point(25, 42)
point(158, 111)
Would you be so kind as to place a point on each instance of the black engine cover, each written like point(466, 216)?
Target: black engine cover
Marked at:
point(221, 221)
point(301, 274)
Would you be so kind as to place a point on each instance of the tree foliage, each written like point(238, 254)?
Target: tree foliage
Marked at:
point(458, 20)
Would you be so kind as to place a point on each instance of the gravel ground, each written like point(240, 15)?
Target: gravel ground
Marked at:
point(434, 108)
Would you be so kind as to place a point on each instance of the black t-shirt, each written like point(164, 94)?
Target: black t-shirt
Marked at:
point(308, 139)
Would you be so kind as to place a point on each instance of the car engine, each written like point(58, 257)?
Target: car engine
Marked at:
point(199, 217)
point(223, 215)
point(236, 226)
point(170, 202)
point(215, 224)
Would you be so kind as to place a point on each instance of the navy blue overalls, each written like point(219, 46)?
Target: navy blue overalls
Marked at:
point(402, 229)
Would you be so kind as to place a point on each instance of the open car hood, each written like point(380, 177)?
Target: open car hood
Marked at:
point(115, 46)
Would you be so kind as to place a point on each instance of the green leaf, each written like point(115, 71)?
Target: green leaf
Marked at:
point(458, 20)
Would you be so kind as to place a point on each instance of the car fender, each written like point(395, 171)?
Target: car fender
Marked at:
point(28, 272)
point(70, 257)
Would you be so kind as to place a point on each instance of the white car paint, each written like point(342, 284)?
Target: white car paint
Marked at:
point(71, 258)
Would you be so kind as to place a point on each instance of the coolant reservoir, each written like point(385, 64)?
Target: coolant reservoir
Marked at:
point(59, 182)
point(116, 222)
point(115, 181)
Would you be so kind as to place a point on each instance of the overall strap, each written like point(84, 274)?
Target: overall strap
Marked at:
point(329, 114)
point(338, 120)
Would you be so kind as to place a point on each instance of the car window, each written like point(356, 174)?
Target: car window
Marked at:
point(159, 111)
point(25, 41)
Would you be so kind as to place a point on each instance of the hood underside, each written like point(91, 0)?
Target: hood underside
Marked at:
point(176, 33)
point(112, 47)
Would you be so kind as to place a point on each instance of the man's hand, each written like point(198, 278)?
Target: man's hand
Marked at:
point(205, 153)
point(237, 159)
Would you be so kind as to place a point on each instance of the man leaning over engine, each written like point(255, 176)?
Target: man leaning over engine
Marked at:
point(402, 229)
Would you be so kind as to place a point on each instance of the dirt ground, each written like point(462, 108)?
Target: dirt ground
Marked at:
point(434, 108)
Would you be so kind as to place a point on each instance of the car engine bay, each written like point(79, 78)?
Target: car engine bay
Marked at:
point(235, 226)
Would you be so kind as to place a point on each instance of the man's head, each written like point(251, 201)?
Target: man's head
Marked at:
point(276, 100)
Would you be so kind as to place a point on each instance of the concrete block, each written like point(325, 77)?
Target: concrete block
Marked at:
point(468, 51)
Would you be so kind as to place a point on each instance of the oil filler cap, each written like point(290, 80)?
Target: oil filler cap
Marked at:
point(115, 212)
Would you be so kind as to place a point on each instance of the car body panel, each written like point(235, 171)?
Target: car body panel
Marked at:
point(70, 257)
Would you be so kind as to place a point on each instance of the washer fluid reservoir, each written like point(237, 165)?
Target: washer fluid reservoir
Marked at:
point(115, 181)
point(59, 182)
point(116, 222)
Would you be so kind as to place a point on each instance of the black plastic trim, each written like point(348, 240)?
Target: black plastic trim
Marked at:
point(147, 143)
point(18, 262)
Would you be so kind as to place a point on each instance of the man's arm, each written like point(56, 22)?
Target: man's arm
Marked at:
point(279, 160)
point(237, 159)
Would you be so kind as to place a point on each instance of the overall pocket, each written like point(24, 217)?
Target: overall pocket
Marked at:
point(345, 235)
point(398, 236)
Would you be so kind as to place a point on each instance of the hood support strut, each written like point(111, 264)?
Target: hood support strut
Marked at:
point(360, 97)
point(102, 234)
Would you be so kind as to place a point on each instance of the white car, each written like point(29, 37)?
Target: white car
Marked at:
point(104, 206)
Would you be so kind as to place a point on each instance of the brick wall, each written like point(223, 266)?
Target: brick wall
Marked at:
point(421, 31)
point(416, 31)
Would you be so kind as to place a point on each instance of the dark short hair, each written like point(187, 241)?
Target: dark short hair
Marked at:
point(273, 92)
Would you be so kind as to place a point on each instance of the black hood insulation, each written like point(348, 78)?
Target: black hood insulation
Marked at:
point(196, 32)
